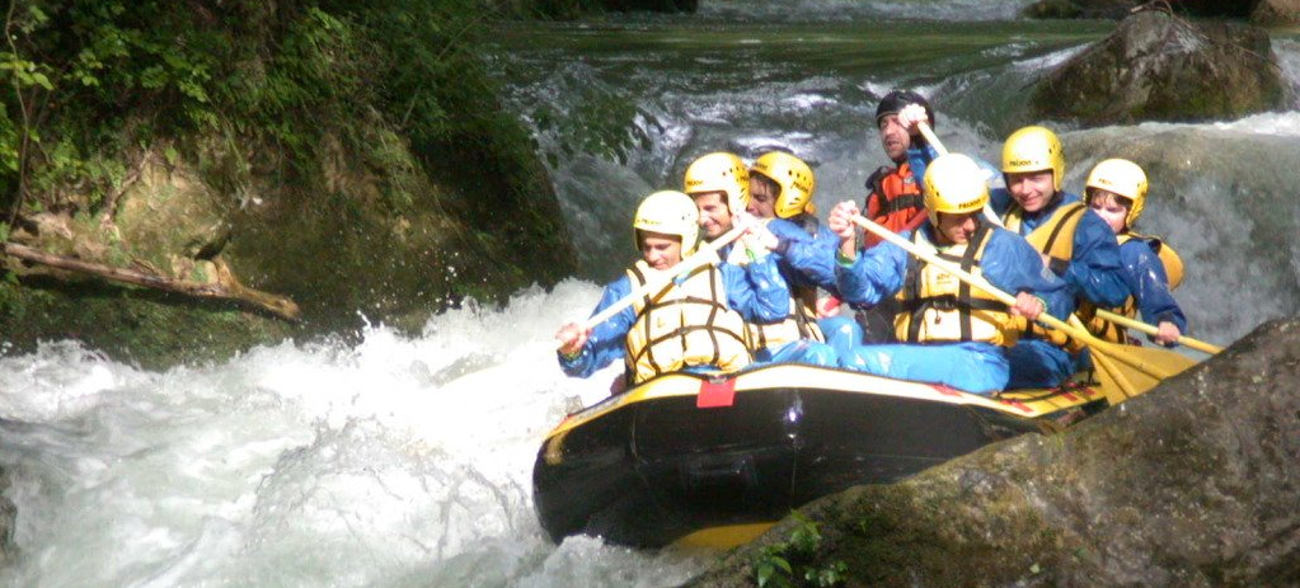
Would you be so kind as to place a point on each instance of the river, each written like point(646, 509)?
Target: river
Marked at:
point(407, 460)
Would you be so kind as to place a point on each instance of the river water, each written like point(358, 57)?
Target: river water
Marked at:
point(407, 460)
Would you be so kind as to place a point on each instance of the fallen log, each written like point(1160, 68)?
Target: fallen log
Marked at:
point(226, 287)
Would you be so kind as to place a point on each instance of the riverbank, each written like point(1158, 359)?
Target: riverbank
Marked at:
point(265, 172)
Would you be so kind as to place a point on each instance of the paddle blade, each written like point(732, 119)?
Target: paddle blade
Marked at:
point(1127, 370)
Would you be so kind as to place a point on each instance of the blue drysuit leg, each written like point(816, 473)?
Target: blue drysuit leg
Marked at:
point(842, 333)
point(977, 367)
point(1036, 363)
point(803, 351)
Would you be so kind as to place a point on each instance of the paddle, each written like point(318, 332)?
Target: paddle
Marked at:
point(934, 141)
point(1137, 325)
point(1157, 363)
point(931, 138)
point(707, 253)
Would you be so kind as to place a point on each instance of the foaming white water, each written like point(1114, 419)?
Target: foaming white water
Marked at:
point(1288, 58)
point(397, 461)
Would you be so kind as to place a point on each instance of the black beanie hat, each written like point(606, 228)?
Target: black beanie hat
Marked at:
point(897, 99)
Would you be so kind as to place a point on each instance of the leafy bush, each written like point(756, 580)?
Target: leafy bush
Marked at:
point(88, 81)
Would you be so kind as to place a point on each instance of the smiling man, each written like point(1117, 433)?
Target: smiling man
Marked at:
point(1074, 243)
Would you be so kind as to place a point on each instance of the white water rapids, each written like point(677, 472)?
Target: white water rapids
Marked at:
point(403, 461)
point(397, 461)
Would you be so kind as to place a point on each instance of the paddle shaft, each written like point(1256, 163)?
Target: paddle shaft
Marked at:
point(1137, 325)
point(1046, 319)
point(931, 138)
point(706, 254)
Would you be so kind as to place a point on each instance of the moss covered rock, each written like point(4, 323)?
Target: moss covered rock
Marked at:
point(1159, 67)
point(1194, 483)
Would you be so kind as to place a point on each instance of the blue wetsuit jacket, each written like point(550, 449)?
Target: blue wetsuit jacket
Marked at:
point(805, 260)
point(756, 291)
point(1095, 270)
point(1146, 278)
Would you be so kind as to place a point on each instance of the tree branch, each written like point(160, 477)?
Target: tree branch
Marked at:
point(227, 287)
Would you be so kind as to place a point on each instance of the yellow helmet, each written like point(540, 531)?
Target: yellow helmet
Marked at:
point(720, 172)
point(669, 212)
point(955, 184)
point(1034, 149)
point(1123, 178)
point(795, 179)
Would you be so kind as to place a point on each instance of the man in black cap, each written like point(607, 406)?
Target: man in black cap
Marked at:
point(894, 193)
point(893, 198)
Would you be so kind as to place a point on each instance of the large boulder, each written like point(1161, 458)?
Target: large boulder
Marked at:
point(1118, 9)
point(1193, 484)
point(1159, 67)
point(1276, 12)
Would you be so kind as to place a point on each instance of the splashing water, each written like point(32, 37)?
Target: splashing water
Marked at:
point(400, 461)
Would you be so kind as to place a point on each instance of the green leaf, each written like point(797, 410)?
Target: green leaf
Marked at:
point(42, 81)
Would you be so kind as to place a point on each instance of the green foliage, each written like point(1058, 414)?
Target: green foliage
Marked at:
point(91, 80)
point(795, 562)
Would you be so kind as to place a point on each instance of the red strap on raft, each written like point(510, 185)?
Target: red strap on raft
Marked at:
point(716, 393)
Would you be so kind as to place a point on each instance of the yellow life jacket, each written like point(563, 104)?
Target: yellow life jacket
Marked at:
point(801, 323)
point(936, 306)
point(1054, 237)
point(1109, 331)
point(684, 324)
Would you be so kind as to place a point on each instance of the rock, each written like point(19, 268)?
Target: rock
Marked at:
point(1117, 9)
point(1276, 12)
point(1159, 67)
point(7, 515)
point(1194, 483)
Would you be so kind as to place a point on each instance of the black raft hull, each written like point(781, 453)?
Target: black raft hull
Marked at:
point(682, 454)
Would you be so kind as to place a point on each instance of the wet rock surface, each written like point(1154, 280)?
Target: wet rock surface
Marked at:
point(1276, 12)
point(1118, 9)
point(1195, 483)
point(1159, 67)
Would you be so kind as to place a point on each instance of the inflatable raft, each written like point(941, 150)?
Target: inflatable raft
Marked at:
point(693, 460)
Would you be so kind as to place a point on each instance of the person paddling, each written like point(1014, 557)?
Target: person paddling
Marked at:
point(1117, 192)
point(950, 333)
point(1074, 242)
point(695, 323)
point(780, 196)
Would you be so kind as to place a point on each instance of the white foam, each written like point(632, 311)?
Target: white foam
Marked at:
point(396, 460)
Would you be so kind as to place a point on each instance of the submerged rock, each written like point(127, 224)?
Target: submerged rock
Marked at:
point(1276, 12)
point(1194, 483)
point(1159, 67)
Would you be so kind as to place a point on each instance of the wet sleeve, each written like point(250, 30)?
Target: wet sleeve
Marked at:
point(876, 274)
point(811, 260)
point(1014, 266)
point(606, 343)
point(1150, 285)
point(757, 291)
point(917, 160)
point(1095, 269)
